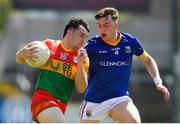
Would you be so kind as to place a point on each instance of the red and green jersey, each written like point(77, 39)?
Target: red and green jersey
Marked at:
point(58, 74)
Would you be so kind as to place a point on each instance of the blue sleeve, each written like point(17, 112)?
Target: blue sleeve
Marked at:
point(138, 48)
point(88, 47)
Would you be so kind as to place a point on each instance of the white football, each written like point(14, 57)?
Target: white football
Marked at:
point(43, 55)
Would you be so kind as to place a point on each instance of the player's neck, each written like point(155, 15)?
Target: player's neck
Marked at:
point(66, 45)
point(113, 39)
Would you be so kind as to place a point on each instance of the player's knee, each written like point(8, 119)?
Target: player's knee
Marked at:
point(47, 116)
point(89, 121)
point(133, 120)
point(127, 120)
point(51, 119)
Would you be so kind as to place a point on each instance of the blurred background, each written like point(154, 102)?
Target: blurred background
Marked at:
point(155, 22)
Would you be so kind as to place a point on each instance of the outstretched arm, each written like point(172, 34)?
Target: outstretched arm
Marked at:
point(154, 73)
point(81, 75)
point(26, 52)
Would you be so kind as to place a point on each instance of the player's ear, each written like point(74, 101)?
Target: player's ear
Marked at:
point(116, 23)
point(69, 32)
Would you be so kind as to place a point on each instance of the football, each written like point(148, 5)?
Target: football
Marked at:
point(43, 55)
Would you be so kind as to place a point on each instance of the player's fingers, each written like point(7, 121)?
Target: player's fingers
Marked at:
point(33, 50)
point(33, 59)
point(165, 92)
point(33, 47)
point(81, 54)
point(32, 56)
point(82, 50)
point(29, 45)
point(166, 95)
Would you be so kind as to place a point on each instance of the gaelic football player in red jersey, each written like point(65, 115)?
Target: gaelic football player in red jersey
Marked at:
point(66, 68)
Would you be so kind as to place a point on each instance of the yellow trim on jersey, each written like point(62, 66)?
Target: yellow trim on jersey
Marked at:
point(64, 68)
point(117, 41)
point(143, 55)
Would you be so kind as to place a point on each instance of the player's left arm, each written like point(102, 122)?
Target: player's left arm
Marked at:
point(154, 73)
point(81, 74)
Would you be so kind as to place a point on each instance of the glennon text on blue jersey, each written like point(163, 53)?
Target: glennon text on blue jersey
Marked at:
point(118, 63)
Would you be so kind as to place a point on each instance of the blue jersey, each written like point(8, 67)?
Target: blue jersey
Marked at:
point(110, 67)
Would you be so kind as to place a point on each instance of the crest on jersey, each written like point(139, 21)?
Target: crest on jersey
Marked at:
point(88, 113)
point(127, 49)
point(63, 56)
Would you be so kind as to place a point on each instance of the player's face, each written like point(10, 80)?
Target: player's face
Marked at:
point(79, 38)
point(107, 27)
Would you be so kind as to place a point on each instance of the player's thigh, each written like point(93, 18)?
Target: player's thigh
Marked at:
point(91, 112)
point(51, 115)
point(89, 121)
point(125, 112)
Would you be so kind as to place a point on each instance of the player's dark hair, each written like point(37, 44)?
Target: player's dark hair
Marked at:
point(74, 23)
point(107, 11)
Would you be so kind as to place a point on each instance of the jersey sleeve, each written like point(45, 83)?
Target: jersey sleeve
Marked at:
point(49, 42)
point(91, 45)
point(138, 48)
point(88, 47)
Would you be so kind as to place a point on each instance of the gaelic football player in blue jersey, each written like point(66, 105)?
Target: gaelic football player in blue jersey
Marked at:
point(111, 55)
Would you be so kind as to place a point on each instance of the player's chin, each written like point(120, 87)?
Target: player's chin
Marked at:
point(104, 38)
point(103, 35)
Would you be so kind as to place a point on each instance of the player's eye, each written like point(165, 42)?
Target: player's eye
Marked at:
point(84, 36)
point(105, 26)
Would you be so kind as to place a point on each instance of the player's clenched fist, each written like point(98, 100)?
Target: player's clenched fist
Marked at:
point(164, 90)
point(82, 56)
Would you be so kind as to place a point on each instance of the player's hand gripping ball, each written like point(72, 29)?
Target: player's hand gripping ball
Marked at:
point(42, 55)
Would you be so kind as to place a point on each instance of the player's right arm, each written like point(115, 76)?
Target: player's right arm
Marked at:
point(82, 69)
point(25, 52)
point(154, 72)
